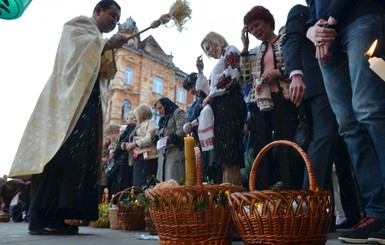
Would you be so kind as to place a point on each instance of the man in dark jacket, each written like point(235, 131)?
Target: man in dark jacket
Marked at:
point(302, 66)
point(342, 32)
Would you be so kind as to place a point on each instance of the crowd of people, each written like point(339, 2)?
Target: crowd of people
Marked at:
point(315, 65)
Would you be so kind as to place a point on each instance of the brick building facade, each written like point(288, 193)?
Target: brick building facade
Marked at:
point(145, 73)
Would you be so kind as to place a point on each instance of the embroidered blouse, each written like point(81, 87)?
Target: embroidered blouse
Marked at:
point(226, 73)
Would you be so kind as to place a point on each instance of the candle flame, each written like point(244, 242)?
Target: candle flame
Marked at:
point(370, 52)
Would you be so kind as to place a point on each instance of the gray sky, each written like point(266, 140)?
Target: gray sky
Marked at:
point(28, 47)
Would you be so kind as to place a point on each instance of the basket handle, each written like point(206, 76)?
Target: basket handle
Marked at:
point(198, 165)
point(114, 196)
point(127, 190)
point(253, 172)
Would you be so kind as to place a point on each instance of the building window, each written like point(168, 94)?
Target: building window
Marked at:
point(128, 75)
point(155, 115)
point(126, 108)
point(180, 95)
point(158, 85)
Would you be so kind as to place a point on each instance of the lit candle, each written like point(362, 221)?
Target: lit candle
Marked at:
point(189, 144)
point(376, 64)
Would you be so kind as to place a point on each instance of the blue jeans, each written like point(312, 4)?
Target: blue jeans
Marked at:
point(357, 97)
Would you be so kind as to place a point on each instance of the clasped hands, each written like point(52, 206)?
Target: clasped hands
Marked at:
point(127, 146)
point(322, 38)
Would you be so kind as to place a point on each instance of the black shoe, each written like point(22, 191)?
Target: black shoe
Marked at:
point(361, 231)
point(347, 224)
point(63, 230)
point(36, 232)
point(377, 237)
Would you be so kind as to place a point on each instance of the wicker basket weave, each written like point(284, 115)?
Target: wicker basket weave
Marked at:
point(282, 217)
point(131, 218)
point(113, 213)
point(192, 214)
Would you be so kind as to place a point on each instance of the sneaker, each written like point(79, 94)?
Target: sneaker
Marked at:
point(377, 237)
point(359, 233)
point(347, 224)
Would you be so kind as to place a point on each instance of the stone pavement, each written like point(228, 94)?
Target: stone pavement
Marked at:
point(16, 233)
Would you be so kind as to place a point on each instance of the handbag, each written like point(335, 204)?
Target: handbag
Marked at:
point(302, 135)
point(110, 168)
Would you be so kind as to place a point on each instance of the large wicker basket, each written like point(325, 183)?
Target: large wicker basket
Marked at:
point(192, 214)
point(131, 218)
point(282, 217)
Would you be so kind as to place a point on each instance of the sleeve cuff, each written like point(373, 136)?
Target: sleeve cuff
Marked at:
point(296, 72)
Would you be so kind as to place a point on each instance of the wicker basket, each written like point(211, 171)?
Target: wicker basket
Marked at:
point(131, 218)
point(282, 217)
point(113, 213)
point(4, 218)
point(192, 214)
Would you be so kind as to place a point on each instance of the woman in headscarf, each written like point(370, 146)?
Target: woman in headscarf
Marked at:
point(228, 105)
point(171, 163)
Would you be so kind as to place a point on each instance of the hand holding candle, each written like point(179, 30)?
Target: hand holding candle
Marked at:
point(376, 64)
point(189, 144)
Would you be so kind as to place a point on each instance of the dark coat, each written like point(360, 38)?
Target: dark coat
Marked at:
point(122, 155)
point(295, 42)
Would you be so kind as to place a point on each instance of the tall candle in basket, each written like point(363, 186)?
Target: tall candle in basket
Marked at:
point(189, 144)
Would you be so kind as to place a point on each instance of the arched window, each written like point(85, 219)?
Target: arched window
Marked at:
point(126, 108)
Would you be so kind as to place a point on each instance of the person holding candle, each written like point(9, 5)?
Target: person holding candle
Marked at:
point(226, 99)
point(171, 162)
point(326, 146)
point(201, 123)
point(342, 31)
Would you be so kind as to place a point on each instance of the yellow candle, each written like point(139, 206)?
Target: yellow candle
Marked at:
point(189, 144)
